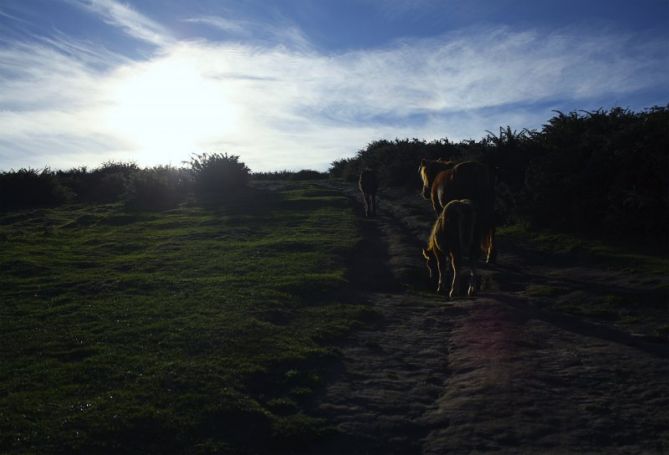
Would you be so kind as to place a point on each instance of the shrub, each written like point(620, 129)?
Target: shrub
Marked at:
point(601, 173)
point(307, 174)
point(158, 188)
point(110, 182)
point(28, 188)
point(396, 162)
point(216, 175)
point(107, 183)
point(346, 168)
point(272, 175)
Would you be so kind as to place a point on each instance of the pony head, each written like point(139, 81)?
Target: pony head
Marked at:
point(428, 170)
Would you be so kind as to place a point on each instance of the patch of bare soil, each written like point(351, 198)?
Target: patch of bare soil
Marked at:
point(497, 373)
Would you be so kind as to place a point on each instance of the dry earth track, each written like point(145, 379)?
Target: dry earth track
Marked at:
point(490, 374)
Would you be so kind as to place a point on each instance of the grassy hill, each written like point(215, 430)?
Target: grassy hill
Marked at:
point(207, 328)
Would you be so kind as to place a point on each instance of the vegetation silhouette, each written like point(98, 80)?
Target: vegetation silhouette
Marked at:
point(212, 177)
point(161, 187)
point(28, 188)
point(301, 175)
point(601, 173)
point(216, 176)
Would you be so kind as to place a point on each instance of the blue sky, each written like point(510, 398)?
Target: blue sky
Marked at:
point(297, 84)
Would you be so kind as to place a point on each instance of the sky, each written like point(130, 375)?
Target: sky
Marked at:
point(297, 84)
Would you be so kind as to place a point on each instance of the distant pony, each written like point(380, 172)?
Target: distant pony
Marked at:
point(368, 185)
point(445, 181)
point(454, 237)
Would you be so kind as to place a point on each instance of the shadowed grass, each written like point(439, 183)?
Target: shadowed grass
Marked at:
point(198, 329)
point(631, 291)
point(618, 255)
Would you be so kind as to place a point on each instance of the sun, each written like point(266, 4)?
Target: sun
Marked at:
point(165, 110)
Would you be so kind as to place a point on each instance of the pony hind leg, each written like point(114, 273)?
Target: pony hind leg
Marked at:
point(473, 280)
point(491, 251)
point(442, 267)
point(455, 265)
point(365, 197)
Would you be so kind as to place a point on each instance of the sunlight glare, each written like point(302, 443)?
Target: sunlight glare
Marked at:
point(166, 110)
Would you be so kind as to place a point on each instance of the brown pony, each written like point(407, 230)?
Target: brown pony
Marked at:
point(368, 186)
point(444, 181)
point(454, 236)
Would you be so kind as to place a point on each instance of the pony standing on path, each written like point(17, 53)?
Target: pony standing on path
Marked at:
point(368, 186)
point(454, 237)
point(445, 181)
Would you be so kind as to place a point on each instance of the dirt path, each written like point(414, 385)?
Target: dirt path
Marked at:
point(490, 374)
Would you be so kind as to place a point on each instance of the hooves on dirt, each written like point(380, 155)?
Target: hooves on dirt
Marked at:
point(471, 292)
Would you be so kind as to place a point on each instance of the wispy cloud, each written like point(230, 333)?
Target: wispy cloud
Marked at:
point(235, 27)
point(51, 98)
point(286, 107)
point(276, 33)
point(12, 17)
point(127, 19)
point(34, 76)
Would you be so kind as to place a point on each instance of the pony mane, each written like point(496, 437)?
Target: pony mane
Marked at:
point(431, 168)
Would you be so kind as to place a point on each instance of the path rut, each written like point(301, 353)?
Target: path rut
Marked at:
point(489, 374)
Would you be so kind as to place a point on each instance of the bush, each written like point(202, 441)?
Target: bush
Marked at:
point(158, 188)
point(76, 180)
point(216, 175)
point(346, 168)
point(108, 183)
point(396, 162)
point(305, 174)
point(28, 188)
point(602, 173)
point(111, 181)
point(308, 174)
point(272, 175)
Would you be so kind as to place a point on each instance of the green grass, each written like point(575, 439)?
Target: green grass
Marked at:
point(643, 308)
point(205, 330)
point(642, 313)
point(628, 257)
